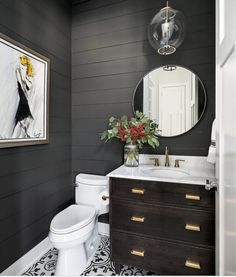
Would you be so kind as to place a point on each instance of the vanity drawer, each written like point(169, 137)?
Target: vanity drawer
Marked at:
point(163, 192)
point(160, 256)
point(167, 222)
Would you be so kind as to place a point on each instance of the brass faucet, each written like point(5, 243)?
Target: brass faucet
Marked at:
point(156, 161)
point(167, 162)
point(177, 162)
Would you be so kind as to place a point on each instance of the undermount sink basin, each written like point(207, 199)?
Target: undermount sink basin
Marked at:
point(165, 172)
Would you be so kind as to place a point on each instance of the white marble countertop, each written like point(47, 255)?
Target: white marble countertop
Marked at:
point(197, 170)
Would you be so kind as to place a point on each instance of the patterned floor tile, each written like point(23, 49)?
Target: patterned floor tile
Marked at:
point(45, 266)
point(101, 264)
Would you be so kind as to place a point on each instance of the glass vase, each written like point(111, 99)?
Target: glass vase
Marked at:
point(131, 155)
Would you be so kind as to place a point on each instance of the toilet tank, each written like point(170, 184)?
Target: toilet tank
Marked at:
point(89, 189)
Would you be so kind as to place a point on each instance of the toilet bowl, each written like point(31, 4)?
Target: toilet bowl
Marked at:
point(74, 231)
point(68, 231)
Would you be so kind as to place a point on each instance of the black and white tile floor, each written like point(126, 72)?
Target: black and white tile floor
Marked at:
point(101, 264)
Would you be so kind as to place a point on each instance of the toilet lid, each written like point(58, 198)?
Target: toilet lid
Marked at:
point(72, 218)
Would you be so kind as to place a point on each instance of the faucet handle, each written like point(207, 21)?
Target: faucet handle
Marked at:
point(156, 161)
point(177, 162)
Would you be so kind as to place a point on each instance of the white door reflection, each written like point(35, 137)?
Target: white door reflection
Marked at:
point(175, 99)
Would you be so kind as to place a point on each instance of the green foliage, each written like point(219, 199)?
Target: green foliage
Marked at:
point(138, 129)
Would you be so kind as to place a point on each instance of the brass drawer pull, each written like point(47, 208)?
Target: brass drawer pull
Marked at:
point(138, 218)
point(192, 197)
point(192, 227)
point(192, 264)
point(136, 252)
point(138, 191)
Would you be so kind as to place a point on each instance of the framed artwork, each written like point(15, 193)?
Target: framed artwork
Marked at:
point(24, 95)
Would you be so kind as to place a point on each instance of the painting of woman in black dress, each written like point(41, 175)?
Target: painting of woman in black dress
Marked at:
point(24, 76)
point(23, 118)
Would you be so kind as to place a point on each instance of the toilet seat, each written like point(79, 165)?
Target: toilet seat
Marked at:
point(72, 219)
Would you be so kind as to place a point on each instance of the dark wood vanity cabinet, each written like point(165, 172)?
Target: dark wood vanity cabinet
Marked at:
point(167, 228)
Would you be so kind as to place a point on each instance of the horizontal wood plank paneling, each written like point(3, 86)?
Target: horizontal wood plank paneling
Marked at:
point(105, 96)
point(92, 111)
point(110, 53)
point(107, 152)
point(196, 39)
point(86, 139)
point(32, 177)
point(28, 196)
point(87, 5)
point(199, 22)
point(99, 167)
point(90, 125)
point(28, 160)
point(138, 49)
point(35, 181)
point(127, 66)
point(30, 21)
point(26, 216)
point(29, 236)
point(131, 6)
point(107, 82)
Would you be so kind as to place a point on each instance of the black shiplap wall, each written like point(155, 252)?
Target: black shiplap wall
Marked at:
point(35, 181)
point(110, 54)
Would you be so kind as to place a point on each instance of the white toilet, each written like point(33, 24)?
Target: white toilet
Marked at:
point(74, 231)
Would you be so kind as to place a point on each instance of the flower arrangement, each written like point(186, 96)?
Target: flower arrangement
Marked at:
point(138, 130)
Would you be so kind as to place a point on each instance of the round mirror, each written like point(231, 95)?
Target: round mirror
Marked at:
point(173, 96)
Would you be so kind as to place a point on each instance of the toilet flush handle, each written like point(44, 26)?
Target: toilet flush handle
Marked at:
point(105, 197)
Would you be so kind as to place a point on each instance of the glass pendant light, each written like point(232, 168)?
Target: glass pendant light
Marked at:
point(167, 30)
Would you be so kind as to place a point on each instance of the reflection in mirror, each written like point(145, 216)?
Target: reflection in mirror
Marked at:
point(173, 96)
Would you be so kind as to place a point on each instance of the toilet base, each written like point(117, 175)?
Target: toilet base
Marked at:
point(71, 261)
point(91, 244)
point(74, 260)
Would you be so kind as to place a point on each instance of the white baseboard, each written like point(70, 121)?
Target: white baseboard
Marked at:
point(21, 265)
